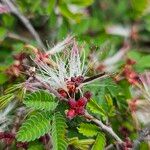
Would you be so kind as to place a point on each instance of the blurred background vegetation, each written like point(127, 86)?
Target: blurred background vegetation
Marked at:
point(88, 20)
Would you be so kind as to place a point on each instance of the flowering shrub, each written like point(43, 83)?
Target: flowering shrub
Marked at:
point(58, 94)
point(90, 91)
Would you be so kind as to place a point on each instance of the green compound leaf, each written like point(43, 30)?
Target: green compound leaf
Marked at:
point(5, 99)
point(34, 127)
point(100, 142)
point(82, 144)
point(95, 108)
point(88, 129)
point(40, 100)
point(58, 132)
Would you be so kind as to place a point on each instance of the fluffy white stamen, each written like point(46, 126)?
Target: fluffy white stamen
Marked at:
point(57, 76)
point(145, 78)
point(5, 120)
point(60, 46)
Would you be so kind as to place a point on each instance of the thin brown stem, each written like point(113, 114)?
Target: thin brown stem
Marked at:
point(17, 37)
point(103, 127)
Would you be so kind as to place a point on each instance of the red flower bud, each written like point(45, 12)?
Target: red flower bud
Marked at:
point(82, 101)
point(80, 110)
point(79, 79)
point(62, 92)
point(71, 87)
point(72, 103)
point(71, 114)
point(88, 95)
point(23, 145)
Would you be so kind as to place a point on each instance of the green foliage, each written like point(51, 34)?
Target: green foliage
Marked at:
point(100, 142)
point(112, 87)
point(34, 127)
point(51, 5)
point(58, 132)
point(82, 144)
point(5, 100)
point(3, 78)
point(13, 88)
point(40, 100)
point(35, 146)
point(94, 107)
point(90, 22)
point(83, 3)
point(140, 6)
point(18, 90)
point(142, 61)
point(3, 33)
point(88, 129)
point(65, 11)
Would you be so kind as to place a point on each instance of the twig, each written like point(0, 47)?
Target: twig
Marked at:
point(109, 147)
point(143, 136)
point(25, 21)
point(17, 37)
point(101, 75)
point(103, 127)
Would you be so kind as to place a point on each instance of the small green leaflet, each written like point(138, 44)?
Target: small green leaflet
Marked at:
point(94, 107)
point(88, 129)
point(40, 100)
point(34, 127)
point(58, 132)
point(5, 99)
point(82, 144)
point(99, 142)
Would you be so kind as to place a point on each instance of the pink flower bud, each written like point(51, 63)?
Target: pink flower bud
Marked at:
point(72, 103)
point(80, 110)
point(88, 95)
point(71, 114)
point(82, 101)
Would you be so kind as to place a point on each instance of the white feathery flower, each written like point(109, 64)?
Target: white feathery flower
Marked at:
point(142, 104)
point(58, 76)
point(60, 46)
point(145, 79)
point(5, 119)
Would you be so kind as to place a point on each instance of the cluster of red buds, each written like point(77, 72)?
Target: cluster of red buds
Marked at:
point(127, 145)
point(77, 107)
point(71, 86)
point(16, 68)
point(9, 137)
point(23, 145)
point(129, 72)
